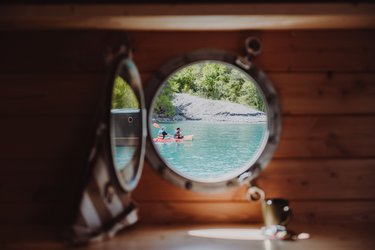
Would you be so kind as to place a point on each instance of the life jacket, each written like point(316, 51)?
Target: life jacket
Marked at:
point(177, 134)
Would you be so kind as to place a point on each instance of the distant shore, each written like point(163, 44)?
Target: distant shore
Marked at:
point(193, 108)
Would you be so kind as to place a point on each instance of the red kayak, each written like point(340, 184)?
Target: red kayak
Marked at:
point(171, 139)
point(168, 140)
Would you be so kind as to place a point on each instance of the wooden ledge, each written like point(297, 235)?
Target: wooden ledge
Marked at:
point(324, 236)
point(190, 16)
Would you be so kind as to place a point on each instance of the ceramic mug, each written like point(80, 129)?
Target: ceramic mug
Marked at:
point(276, 211)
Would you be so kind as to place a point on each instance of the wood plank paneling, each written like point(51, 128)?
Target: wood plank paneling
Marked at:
point(199, 212)
point(32, 234)
point(83, 51)
point(282, 61)
point(327, 136)
point(191, 16)
point(161, 237)
point(325, 93)
point(42, 188)
point(347, 211)
point(321, 93)
point(291, 179)
point(45, 136)
point(42, 166)
point(58, 194)
point(358, 41)
point(300, 93)
point(303, 136)
point(50, 85)
point(246, 212)
point(51, 52)
point(319, 179)
point(341, 179)
point(332, 89)
point(205, 212)
point(36, 214)
point(49, 94)
point(282, 51)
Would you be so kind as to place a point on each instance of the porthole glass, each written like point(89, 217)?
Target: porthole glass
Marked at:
point(116, 156)
point(213, 121)
point(127, 124)
point(209, 121)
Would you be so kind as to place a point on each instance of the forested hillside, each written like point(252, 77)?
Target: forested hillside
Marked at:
point(215, 81)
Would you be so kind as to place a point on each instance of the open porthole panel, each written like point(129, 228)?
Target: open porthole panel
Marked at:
point(127, 124)
point(214, 121)
point(116, 158)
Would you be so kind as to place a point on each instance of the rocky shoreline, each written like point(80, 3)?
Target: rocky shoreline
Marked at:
point(193, 108)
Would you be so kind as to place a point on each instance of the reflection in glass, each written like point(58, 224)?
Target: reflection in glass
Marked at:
point(125, 128)
point(222, 121)
point(229, 233)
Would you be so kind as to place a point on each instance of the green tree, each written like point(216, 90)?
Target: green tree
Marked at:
point(210, 80)
point(123, 96)
point(163, 103)
point(184, 80)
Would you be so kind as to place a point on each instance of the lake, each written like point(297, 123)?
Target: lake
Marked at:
point(217, 149)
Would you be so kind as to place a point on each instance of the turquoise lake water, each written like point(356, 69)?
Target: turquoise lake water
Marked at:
point(123, 155)
point(216, 150)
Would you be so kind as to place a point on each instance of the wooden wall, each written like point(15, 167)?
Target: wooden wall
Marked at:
point(325, 164)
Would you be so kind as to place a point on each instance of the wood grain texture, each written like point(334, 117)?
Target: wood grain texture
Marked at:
point(40, 181)
point(240, 212)
point(45, 136)
point(330, 92)
point(302, 137)
point(341, 179)
point(300, 93)
point(284, 61)
point(52, 52)
point(170, 212)
point(37, 214)
point(50, 85)
point(27, 94)
point(291, 179)
point(40, 166)
point(190, 16)
point(187, 9)
point(162, 237)
point(325, 93)
point(292, 51)
point(358, 41)
point(326, 136)
point(84, 51)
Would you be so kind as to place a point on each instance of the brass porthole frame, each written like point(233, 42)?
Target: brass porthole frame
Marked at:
point(273, 118)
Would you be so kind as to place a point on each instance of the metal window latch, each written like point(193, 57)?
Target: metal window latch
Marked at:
point(253, 48)
point(255, 193)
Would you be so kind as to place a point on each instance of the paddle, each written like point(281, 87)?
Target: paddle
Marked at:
point(188, 137)
point(158, 126)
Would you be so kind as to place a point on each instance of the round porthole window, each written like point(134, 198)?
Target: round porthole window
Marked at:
point(127, 119)
point(214, 119)
point(116, 157)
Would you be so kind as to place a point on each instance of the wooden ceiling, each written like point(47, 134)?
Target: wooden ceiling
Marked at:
point(218, 16)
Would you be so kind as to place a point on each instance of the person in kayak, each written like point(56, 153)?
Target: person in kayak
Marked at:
point(162, 133)
point(178, 134)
